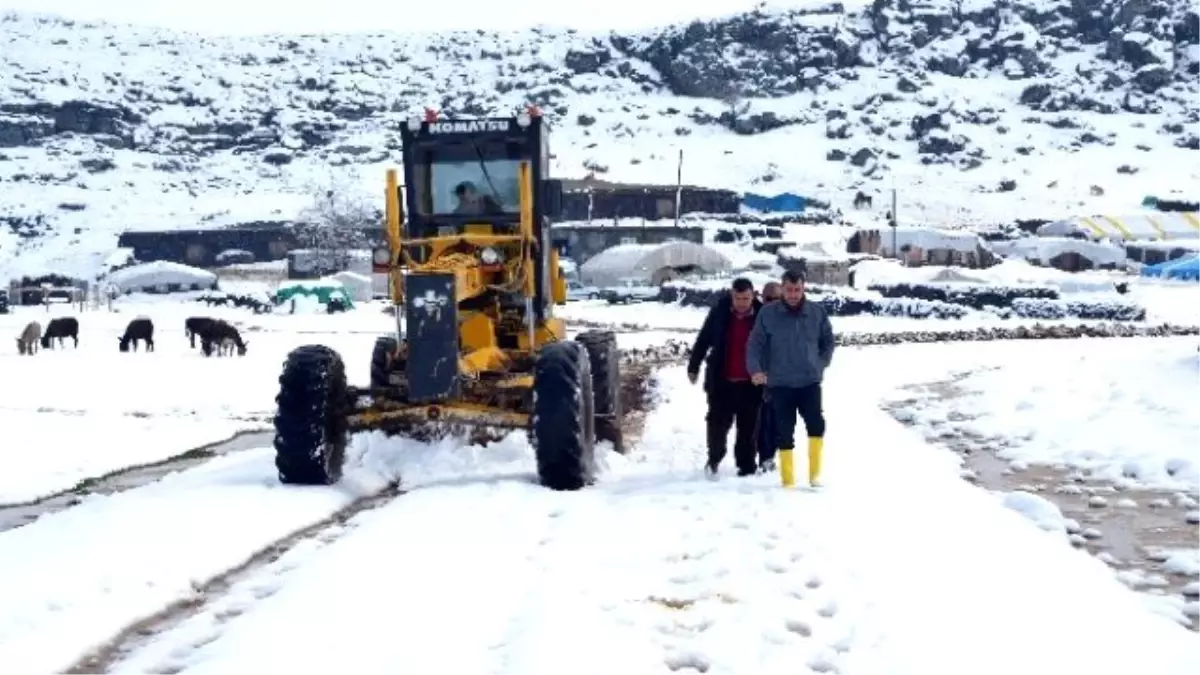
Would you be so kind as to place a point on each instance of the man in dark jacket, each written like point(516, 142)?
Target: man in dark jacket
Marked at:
point(732, 397)
point(789, 349)
point(764, 435)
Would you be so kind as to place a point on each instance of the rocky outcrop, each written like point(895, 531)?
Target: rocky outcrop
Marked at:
point(87, 103)
point(1138, 55)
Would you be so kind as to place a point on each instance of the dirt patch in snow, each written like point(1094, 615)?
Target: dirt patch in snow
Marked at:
point(1131, 529)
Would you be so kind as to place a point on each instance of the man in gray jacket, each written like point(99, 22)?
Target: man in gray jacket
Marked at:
point(789, 349)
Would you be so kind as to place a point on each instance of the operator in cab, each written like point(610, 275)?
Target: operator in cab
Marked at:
point(471, 202)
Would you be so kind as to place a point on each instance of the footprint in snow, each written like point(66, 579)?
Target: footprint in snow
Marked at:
point(684, 578)
point(777, 567)
point(688, 660)
point(822, 663)
point(813, 583)
point(828, 610)
point(799, 627)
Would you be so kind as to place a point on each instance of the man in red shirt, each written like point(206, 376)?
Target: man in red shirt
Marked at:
point(732, 397)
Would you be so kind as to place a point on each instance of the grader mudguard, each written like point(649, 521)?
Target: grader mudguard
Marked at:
point(477, 344)
point(431, 369)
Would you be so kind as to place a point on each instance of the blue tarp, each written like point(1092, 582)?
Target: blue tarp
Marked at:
point(783, 202)
point(1181, 268)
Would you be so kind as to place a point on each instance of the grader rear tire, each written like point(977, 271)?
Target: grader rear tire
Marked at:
point(563, 429)
point(605, 360)
point(311, 423)
point(380, 356)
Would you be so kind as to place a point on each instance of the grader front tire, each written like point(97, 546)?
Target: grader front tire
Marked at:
point(563, 417)
point(311, 422)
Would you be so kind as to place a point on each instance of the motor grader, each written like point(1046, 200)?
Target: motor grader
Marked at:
point(474, 279)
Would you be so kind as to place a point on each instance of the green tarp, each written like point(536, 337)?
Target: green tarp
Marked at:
point(323, 293)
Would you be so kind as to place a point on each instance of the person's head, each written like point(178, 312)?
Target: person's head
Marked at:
point(771, 291)
point(793, 287)
point(466, 193)
point(742, 293)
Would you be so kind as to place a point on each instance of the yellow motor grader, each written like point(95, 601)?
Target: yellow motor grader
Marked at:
point(474, 279)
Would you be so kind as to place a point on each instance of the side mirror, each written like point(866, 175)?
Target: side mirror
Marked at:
point(552, 198)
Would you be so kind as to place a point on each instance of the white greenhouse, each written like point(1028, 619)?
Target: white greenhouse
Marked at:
point(360, 287)
point(162, 277)
point(652, 263)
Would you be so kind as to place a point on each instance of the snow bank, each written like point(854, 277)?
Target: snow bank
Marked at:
point(1121, 409)
point(1039, 510)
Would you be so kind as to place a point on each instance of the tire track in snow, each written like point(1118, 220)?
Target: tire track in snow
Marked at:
point(701, 579)
point(317, 535)
point(18, 514)
point(177, 638)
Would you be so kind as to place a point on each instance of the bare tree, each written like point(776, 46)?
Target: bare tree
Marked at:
point(736, 106)
point(335, 223)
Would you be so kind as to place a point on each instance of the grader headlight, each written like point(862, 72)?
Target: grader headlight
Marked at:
point(490, 256)
point(381, 260)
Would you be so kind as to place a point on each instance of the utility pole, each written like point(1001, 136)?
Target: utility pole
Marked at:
point(895, 224)
point(678, 186)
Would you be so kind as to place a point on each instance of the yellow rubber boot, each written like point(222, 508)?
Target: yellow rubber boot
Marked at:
point(815, 445)
point(787, 469)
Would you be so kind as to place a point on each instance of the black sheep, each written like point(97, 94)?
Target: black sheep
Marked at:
point(61, 328)
point(140, 328)
point(196, 326)
point(218, 332)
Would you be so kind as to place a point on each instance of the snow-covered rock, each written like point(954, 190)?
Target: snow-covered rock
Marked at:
point(111, 127)
point(1041, 511)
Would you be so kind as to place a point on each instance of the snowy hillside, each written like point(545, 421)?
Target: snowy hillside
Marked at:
point(975, 110)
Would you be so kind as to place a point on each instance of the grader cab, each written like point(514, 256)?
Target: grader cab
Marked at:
point(474, 280)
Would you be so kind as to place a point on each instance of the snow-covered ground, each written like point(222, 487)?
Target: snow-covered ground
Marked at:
point(653, 569)
point(70, 414)
point(1125, 410)
point(658, 569)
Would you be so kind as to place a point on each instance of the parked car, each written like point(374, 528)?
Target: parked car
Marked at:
point(577, 290)
point(629, 290)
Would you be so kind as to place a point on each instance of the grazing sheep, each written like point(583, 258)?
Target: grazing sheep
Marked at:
point(196, 325)
point(213, 338)
point(27, 342)
point(140, 328)
point(61, 328)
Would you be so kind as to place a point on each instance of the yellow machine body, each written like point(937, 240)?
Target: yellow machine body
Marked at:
point(496, 331)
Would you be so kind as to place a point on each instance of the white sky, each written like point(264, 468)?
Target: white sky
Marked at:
point(244, 17)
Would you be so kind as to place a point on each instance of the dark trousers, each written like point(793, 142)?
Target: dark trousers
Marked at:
point(731, 403)
point(786, 403)
point(766, 435)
